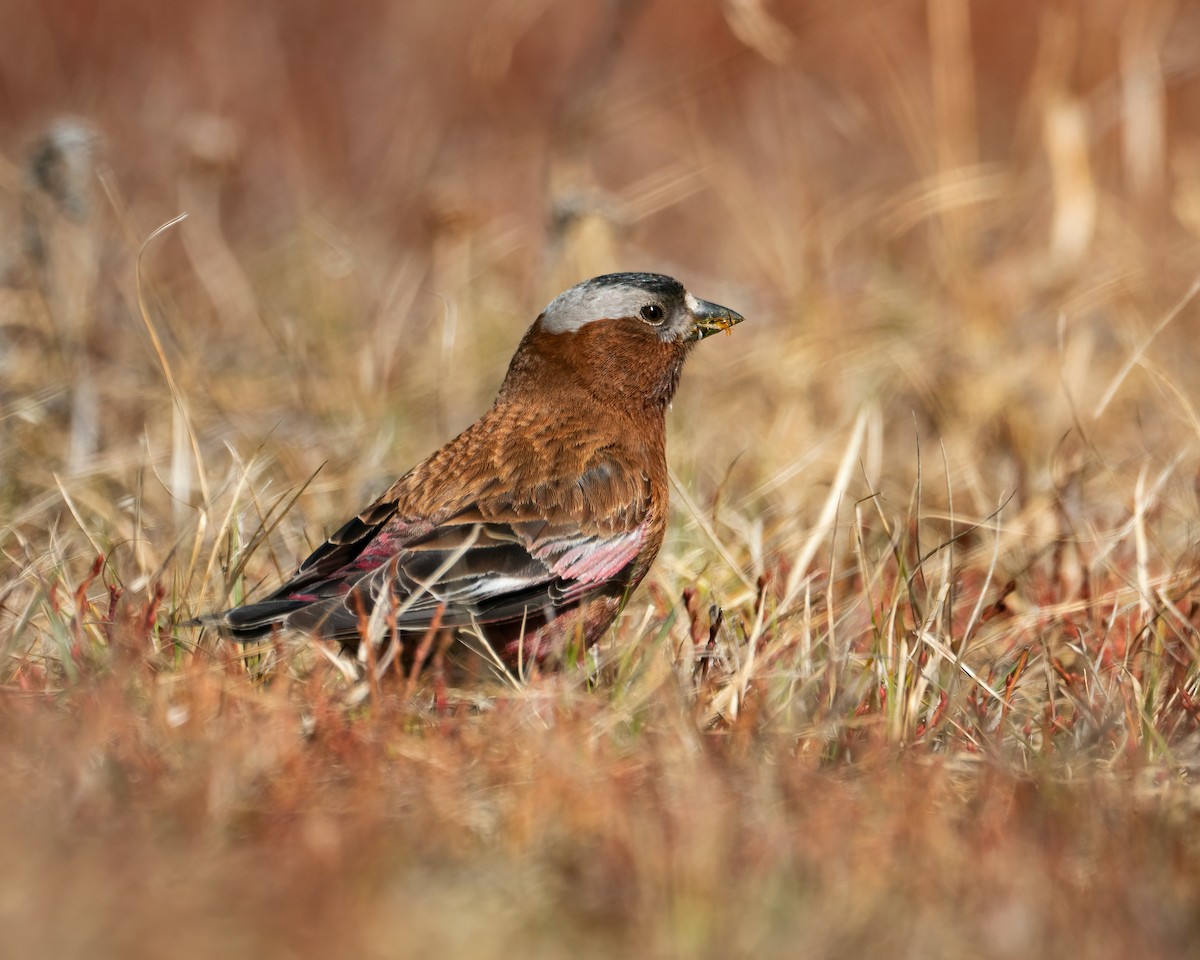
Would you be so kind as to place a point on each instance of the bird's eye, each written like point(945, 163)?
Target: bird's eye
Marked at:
point(652, 312)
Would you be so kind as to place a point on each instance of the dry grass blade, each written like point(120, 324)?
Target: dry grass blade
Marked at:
point(1136, 357)
point(181, 421)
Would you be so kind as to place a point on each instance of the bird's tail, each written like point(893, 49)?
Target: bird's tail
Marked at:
point(248, 622)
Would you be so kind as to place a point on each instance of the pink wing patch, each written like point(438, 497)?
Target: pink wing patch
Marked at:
point(592, 560)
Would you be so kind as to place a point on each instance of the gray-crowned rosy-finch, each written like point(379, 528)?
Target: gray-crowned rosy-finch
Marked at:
point(535, 524)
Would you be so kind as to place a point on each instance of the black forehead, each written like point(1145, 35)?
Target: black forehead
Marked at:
point(655, 283)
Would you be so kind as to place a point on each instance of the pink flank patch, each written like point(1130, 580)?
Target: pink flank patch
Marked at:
point(596, 561)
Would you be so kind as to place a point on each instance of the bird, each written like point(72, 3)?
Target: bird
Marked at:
point(534, 525)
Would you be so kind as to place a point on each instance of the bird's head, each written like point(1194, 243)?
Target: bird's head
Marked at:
point(643, 303)
point(623, 336)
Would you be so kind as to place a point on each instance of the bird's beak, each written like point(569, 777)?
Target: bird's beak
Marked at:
point(709, 318)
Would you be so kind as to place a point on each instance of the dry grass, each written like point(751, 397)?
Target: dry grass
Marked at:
point(918, 671)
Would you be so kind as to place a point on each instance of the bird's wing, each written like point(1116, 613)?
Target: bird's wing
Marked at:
point(475, 571)
point(490, 562)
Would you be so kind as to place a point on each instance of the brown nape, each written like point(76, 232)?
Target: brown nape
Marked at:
point(621, 363)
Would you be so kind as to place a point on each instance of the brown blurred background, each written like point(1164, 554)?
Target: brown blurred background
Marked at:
point(830, 168)
point(890, 170)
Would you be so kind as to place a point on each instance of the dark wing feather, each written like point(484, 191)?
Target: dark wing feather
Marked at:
point(344, 547)
point(358, 536)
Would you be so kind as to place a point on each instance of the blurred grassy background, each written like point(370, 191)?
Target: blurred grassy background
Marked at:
point(941, 483)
